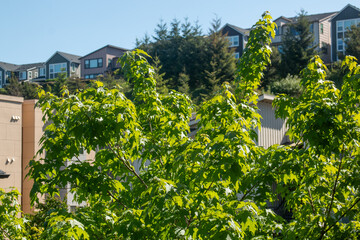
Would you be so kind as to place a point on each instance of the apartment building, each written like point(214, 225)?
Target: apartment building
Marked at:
point(61, 62)
point(340, 23)
point(237, 37)
point(100, 61)
point(320, 26)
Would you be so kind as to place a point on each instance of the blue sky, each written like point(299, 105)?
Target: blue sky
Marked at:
point(31, 31)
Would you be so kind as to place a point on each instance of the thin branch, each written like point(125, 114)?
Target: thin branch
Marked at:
point(342, 215)
point(116, 199)
point(127, 165)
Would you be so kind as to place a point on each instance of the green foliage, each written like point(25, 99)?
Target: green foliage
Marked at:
point(190, 62)
point(149, 180)
point(289, 85)
point(181, 187)
point(272, 72)
point(11, 226)
point(297, 47)
point(27, 90)
point(320, 181)
point(353, 42)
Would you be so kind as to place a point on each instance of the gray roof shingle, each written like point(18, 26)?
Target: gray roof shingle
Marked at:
point(70, 57)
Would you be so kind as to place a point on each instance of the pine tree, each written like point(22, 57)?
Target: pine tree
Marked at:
point(297, 48)
point(222, 66)
point(159, 77)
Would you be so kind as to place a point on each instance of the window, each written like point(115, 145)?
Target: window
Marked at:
point(234, 41)
point(55, 69)
point(36, 74)
point(30, 74)
point(0, 78)
point(321, 28)
point(91, 76)
point(109, 61)
point(342, 28)
point(94, 63)
point(277, 31)
point(42, 72)
point(7, 77)
point(312, 28)
point(73, 67)
point(22, 75)
point(237, 55)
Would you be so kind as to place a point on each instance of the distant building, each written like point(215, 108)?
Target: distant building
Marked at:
point(340, 24)
point(237, 37)
point(100, 61)
point(320, 26)
point(61, 62)
point(6, 70)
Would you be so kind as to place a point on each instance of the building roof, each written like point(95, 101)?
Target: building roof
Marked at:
point(8, 66)
point(24, 67)
point(348, 5)
point(316, 17)
point(238, 29)
point(70, 57)
point(107, 46)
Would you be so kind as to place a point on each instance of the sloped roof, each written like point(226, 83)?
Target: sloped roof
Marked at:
point(24, 67)
point(8, 66)
point(107, 46)
point(238, 29)
point(348, 5)
point(70, 57)
point(316, 17)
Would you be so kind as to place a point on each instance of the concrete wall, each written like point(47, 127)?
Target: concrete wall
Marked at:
point(32, 131)
point(10, 141)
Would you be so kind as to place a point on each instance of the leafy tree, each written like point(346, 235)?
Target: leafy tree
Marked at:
point(11, 226)
point(297, 47)
point(353, 42)
point(320, 181)
point(183, 187)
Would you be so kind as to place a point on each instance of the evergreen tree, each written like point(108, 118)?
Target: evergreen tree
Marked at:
point(297, 48)
point(159, 77)
point(353, 42)
point(272, 72)
point(223, 63)
point(184, 83)
point(14, 87)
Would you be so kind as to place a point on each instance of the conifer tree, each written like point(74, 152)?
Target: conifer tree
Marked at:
point(297, 48)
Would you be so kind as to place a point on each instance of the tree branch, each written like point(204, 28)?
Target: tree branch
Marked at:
point(127, 165)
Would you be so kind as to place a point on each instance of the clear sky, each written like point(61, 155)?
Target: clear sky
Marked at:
point(31, 31)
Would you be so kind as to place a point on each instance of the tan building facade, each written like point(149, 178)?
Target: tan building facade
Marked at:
point(21, 128)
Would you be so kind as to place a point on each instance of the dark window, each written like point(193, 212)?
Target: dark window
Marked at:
point(94, 63)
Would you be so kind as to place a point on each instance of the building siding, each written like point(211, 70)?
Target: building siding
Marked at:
point(347, 13)
point(228, 31)
point(273, 130)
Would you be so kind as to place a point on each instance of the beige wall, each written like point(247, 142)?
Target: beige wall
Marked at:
point(32, 132)
point(10, 141)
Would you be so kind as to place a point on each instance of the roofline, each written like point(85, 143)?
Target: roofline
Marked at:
point(348, 5)
point(61, 55)
point(109, 45)
point(266, 98)
point(229, 25)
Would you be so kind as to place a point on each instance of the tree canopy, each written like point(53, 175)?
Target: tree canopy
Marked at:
point(217, 185)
